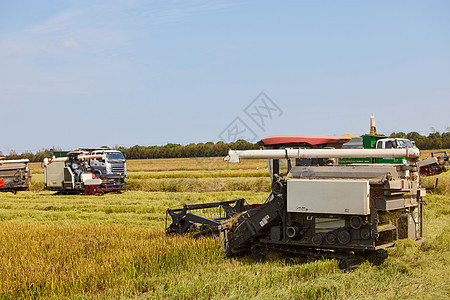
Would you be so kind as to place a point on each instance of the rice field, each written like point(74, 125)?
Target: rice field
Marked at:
point(114, 246)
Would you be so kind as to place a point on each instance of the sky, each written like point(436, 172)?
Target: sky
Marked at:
point(93, 73)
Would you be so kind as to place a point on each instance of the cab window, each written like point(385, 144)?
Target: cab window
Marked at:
point(389, 145)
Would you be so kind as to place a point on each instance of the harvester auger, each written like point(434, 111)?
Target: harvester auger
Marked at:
point(320, 209)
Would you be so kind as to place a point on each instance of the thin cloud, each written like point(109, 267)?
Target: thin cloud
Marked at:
point(58, 23)
point(74, 44)
point(171, 12)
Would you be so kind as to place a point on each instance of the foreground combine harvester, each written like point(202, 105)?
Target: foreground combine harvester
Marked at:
point(15, 175)
point(320, 209)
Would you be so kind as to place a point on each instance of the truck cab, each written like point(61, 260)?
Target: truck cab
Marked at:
point(113, 167)
point(376, 142)
point(394, 143)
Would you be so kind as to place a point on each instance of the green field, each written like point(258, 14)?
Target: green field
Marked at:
point(114, 246)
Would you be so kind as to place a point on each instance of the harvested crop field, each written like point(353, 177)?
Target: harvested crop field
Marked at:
point(114, 245)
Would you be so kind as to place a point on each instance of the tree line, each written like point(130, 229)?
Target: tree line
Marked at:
point(434, 140)
point(33, 157)
point(209, 149)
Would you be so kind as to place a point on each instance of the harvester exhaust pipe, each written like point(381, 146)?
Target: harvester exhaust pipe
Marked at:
point(373, 127)
point(234, 156)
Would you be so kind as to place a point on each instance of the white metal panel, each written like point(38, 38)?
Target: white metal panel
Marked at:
point(86, 176)
point(54, 173)
point(92, 182)
point(328, 196)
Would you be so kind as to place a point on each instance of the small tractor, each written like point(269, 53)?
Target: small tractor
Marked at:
point(15, 175)
point(318, 208)
point(434, 165)
point(73, 174)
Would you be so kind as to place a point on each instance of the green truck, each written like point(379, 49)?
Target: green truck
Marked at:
point(376, 142)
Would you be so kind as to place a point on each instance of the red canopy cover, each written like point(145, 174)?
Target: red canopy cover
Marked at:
point(307, 139)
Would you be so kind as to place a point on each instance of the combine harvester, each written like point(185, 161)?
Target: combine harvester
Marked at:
point(79, 172)
point(434, 165)
point(318, 208)
point(15, 175)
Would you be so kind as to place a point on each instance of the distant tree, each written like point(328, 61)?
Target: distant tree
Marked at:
point(435, 140)
point(399, 135)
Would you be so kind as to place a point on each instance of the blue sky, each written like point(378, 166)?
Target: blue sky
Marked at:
point(92, 73)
